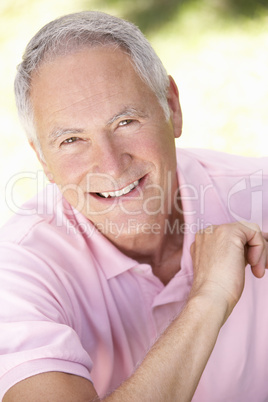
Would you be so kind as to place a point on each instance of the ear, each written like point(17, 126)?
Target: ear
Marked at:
point(36, 149)
point(174, 107)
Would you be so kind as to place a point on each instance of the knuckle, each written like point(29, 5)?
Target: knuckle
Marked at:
point(251, 225)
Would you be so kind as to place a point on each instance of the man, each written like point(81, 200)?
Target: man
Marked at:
point(105, 288)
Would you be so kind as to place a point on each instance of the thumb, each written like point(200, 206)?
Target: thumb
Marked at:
point(256, 250)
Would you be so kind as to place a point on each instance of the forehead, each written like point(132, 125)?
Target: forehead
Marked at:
point(100, 77)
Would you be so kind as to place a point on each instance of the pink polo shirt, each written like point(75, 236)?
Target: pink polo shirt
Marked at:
point(71, 302)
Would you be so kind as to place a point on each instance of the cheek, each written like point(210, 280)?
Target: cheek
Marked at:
point(67, 172)
point(160, 145)
point(68, 178)
point(74, 195)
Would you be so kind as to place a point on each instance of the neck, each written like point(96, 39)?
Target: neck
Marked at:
point(160, 247)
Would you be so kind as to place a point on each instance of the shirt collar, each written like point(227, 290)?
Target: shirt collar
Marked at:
point(110, 259)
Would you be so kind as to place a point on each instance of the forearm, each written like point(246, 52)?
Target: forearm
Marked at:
point(170, 371)
point(173, 367)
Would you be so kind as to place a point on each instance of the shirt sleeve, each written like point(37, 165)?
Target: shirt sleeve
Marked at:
point(36, 321)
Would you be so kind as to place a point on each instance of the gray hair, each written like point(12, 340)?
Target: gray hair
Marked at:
point(74, 31)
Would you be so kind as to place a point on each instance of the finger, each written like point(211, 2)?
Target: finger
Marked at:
point(257, 254)
point(258, 269)
point(265, 235)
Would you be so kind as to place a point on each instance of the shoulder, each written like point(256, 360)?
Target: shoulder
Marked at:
point(46, 216)
point(41, 210)
point(238, 184)
point(216, 162)
point(46, 234)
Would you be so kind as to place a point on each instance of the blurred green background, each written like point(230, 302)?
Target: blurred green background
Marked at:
point(217, 51)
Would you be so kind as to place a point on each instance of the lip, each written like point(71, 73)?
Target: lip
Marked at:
point(132, 194)
point(123, 190)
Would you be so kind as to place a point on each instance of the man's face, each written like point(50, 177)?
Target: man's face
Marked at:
point(105, 140)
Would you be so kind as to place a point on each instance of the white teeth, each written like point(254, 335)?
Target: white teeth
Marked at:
point(118, 193)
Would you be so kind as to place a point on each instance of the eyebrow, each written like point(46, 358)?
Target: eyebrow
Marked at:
point(126, 112)
point(59, 132)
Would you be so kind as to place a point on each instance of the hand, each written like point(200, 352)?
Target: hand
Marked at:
point(220, 254)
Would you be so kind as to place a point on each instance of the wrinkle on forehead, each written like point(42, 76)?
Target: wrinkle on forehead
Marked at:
point(78, 87)
point(85, 102)
point(122, 64)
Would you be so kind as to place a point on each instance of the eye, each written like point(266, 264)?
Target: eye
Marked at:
point(125, 122)
point(70, 140)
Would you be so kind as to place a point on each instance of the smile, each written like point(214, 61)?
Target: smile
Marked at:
point(118, 193)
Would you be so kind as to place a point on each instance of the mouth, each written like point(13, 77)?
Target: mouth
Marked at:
point(119, 193)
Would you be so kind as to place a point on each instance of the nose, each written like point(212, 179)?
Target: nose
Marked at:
point(111, 159)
